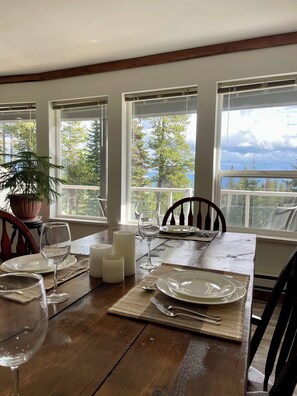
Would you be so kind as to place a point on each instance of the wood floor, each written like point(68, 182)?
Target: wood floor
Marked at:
point(260, 357)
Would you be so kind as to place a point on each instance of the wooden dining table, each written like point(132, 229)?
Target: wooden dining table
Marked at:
point(90, 351)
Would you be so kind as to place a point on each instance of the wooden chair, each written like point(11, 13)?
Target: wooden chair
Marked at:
point(23, 243)
point(282, 352)
point(201, 213)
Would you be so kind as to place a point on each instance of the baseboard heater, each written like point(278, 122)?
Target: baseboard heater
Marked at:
point(263, 285)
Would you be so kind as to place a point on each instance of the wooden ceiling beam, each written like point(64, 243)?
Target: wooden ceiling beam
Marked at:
point(157, 59)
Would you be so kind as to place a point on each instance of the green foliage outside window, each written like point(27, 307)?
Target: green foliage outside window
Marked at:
point(164, 153)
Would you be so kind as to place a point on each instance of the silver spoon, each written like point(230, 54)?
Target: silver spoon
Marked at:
point(150, 287)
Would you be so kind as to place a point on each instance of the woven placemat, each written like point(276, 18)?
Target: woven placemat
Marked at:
point(136, 304)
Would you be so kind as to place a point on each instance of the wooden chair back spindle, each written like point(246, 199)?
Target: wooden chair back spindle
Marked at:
point(208, 216)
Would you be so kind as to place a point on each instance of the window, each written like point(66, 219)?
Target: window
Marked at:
point(82, 147)
point(258, 158)
point(17, 127)
point(161, 148)
point(17, 132)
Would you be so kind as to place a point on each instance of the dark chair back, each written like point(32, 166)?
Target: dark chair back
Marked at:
point(16, 238)
point(282, 352)
point(198, 212)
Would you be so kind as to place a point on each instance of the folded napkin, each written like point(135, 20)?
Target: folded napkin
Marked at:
point(65, 274)
point(136, 304)
point(82, 265)
point(21, 296)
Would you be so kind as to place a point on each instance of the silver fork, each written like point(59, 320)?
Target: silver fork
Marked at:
point(154, 287)
point(79, 266)
point(217, 318)
point(173, 314)
point(191, 313)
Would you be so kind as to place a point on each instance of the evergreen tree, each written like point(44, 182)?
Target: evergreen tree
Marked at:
point(292, 184)
point(248, 183)
point(74, 137)
point(18, 136)
point(232, 185)
point(140, 157)
point(94, 152)
point(171, 157)
point(139, 165)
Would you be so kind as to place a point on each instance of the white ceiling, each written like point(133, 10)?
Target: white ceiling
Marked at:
point(44, 35)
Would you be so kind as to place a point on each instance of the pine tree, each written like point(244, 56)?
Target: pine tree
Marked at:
point(292, 184)
point(140, 157)
point(94, 153)
point(74, 137)
point(18, 136)
point(171, 157)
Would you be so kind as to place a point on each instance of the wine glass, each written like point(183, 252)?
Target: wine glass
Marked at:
point(141, 205)
point(55, 244)
point(23, 320)
point(148, 228)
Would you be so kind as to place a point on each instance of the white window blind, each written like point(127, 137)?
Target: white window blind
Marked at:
point(167, 102)
point(17, 111)
point(95, 108)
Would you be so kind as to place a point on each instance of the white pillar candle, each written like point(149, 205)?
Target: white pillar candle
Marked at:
point(124, 245)
point(97, 252)
point(113, 269)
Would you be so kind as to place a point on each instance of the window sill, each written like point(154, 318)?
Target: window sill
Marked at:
point(72, 220)
point(268, 235)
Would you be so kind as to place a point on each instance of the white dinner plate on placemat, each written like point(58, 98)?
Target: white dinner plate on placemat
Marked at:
point(179, 229)
point(200, 284)
point(34, 263)
point(239, 292)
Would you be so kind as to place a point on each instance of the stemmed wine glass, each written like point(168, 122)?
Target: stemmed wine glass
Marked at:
point(148, 228)
point(55, 244)
point(141, 205)
point(23, 320)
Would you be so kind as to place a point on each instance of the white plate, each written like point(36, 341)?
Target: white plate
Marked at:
point(34, 263)
point(237, 295)
point(178, 229)
point(200, 284)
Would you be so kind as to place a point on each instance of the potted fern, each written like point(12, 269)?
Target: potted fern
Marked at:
point(27, 180)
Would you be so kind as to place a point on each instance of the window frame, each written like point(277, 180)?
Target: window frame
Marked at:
point(128, 100)
point(56, 107)
point(243, 85)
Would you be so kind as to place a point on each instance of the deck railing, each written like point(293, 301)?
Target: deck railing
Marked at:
point(241, 208)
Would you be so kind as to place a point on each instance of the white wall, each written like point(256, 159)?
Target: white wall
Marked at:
point(203, 72)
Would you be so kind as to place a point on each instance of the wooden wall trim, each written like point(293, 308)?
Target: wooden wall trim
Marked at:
point(157, 59)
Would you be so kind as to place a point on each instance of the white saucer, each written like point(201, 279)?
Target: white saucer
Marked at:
point(237, 295)
point(34, 263)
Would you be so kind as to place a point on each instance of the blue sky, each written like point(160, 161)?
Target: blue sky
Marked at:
point(265, 137)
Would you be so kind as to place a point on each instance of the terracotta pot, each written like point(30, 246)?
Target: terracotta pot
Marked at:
point(23, 207)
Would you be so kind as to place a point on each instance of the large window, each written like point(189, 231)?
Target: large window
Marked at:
point(17, 127)
point(17, 132)
point(258, 157)
point(161, 148)
point(82, 148)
